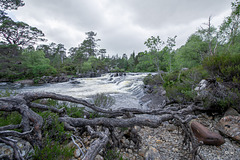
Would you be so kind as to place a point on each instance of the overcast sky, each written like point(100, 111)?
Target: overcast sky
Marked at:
point(122, 25)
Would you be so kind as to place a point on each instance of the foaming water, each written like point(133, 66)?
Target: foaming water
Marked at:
point(126, 89)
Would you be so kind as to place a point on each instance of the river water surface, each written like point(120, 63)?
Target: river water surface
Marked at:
point(126, 89)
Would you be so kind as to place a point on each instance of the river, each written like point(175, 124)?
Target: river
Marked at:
point(126, 89)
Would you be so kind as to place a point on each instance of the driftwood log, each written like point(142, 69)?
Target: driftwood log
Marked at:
point(31, 123)
point(205, 135)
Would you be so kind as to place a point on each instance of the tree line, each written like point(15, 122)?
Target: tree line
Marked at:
point(21, 60)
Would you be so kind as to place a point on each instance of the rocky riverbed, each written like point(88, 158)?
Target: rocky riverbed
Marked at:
point(166, 143)
point(162, 143)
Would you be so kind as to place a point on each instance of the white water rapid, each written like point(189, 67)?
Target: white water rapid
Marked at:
point(126, 89)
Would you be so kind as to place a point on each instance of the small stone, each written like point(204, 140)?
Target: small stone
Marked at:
point(137, 128)
point(175, 149)
point(23, 153)
point(129, 151)
point(20, 145)
point(152, 154)
point(158, 141)
point(172, 128)
point(127, 141)
point(98, 157)
point(77, 153)
point(142, 151)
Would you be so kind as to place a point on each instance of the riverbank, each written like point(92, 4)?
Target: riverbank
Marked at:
point(166, 143)
point(163, 142)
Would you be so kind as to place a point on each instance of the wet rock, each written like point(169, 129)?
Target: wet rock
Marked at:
point(230, 126)
point(110, 79)
point(3, 83)
point(75, 82)
point(51, 79)
point(4, 80)
point(25, 82)
point(148, 89)
point(205, 135)
point(152, 154)
point(154, 97)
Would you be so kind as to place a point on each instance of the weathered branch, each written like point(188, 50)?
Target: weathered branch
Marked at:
point(45, 107)
point(117, 122)
point(77, 145)
point(14, 133)
point(32, 122)
point(98, 144)
point(17, 103)
point(12, 143)
point(9, 127)
point(29, 97)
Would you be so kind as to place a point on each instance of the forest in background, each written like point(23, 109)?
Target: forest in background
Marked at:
point(210, 53)
point(19, 59)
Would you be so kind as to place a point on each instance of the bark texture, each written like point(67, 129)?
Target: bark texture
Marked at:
point(32, 123)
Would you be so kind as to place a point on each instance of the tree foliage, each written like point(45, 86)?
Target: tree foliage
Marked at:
point(19, 33)
point(36, 64)
point(11, 4)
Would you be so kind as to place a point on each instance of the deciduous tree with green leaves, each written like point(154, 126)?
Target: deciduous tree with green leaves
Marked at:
point(36, 64)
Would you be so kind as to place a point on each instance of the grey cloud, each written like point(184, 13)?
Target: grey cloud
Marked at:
point(158, 13)
point(123, 25)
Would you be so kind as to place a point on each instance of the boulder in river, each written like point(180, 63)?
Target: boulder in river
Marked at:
point(75, 82)
point(25, 82)
point(51, 79)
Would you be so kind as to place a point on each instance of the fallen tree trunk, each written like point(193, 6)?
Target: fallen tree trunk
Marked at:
point(32, 123)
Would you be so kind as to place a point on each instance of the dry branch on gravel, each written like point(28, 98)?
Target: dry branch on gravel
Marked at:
point(32, 123)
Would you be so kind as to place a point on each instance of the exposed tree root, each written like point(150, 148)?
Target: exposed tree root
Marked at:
point(31, 124)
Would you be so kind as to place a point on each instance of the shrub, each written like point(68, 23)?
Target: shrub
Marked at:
point(152, 80)
point(52, 128)
point(112, 154)
point(7, 93)
point(54, 139)
point(225, 66)
point(75, 111)
point(7, 118)
point(179, 85)
point(53, 151)
point(103, 100)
